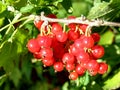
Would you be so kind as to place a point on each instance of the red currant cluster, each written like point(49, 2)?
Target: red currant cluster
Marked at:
point(72, 49)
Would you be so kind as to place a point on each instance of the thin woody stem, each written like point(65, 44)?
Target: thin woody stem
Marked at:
point(80, 20)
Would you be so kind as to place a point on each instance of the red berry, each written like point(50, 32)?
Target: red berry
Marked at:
point(37, 55)
point(56, 28)
point(38, 24)
point(97, 51)
point(78, 43)
point(68, 58)
point(82, 56)
point(58, 66)
point(46, 53)
point(103, 68)
point(33, 46)
point(93, 67)
point(83, 27)
point(70, 66)
point(44, 41)
point(61, 36)
point(87, 41)
point(74, 50)
point(73, 35)
point(79, 69)
point(95, 36)
point(48, 61)
point(73, 75)
point(72, 26)
point(52, 16)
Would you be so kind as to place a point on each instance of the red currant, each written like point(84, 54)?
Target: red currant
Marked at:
point(56, 28)
point(46, 53)
point(48, 61)
point(95, 36)
point(73, 75)
point(33, 46)
point(68, 58)
point(58, 66)
point(103, 68)
point(97, 51)
point(79, 69)
point(38, 24)
point(61, 36)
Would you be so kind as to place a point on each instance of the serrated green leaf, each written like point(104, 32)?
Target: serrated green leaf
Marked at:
point(99, 10)
point(106, 38)
point(112, 82)
point(105, 10)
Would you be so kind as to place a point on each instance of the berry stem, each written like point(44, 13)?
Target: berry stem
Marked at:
point(80, 20)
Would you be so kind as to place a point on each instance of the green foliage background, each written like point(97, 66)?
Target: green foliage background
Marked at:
point(18, 72)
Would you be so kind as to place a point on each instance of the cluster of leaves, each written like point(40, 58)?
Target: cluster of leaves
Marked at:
point(17, 71)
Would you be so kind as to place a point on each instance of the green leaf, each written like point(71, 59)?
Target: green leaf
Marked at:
point(112, 82)
point(27, 9)
point(15, 76)
point(99, 10)
point(106, 38)
point(67, 4)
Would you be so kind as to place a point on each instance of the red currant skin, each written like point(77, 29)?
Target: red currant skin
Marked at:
point(70, 66)
point(82, 56)
point(52, 16)
point(72, 26)
point(48, 61)
point(58, 66)
point(56, 28)
point(33, 46)
point(83, 27)
point(97, 51)
point(93, 67)
point(96, 37)
point(80, 70)
point(37, 55)
point(61, 36)
point(38, 24)
point(73, 75)
point(44, 41)
point(103, 68)
point(87, 41)
point(46, 53)
point(68, 58)
point(73, 35)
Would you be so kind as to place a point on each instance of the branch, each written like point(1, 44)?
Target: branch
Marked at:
point(81, 20)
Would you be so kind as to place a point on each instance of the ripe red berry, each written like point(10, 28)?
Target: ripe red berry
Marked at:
point(79, 69)
point(38, 24)
point(93, 67)
point(103, 68)
point(70, 66)
point(72, 26)
point(56, 28)
point(48, 61)
point(97, 51)
point(82, 56)
point(33, 46)
point(73, 35)
point(58, 66)
point(46, 53)
point(44, 41)
point(73, 75)
point(83, 27)
point(68, 58)
point(87, 41)
point(37, 55)
point(95, 36)
point(61, 36)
